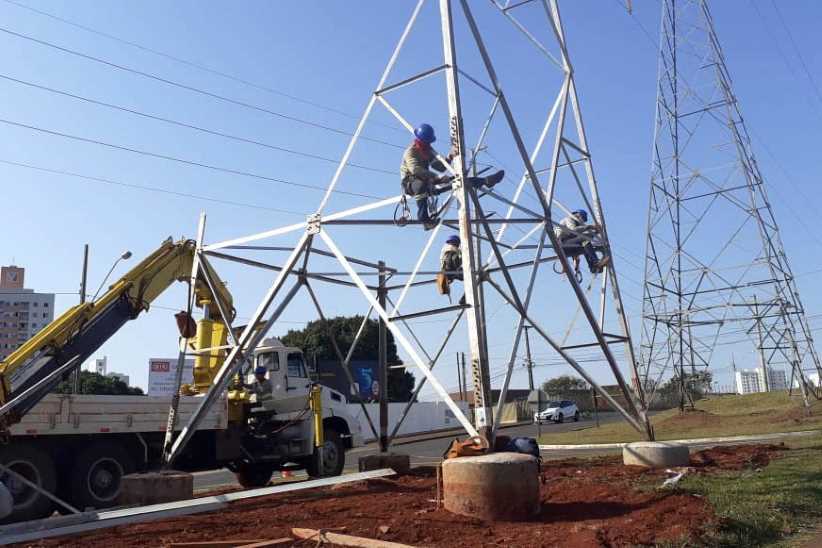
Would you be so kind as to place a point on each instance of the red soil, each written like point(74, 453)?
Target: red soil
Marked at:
point(585, 503)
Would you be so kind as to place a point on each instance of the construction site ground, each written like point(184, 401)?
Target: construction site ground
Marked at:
point(585, 502)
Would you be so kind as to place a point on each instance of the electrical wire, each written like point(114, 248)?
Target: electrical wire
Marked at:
point(188, 125)
point(193, 89)
point(181, 160)
point(192, 64)
point(148, 188)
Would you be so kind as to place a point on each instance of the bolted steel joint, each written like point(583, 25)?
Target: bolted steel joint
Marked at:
point(313, 223)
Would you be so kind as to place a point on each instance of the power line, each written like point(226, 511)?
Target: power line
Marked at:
point(181, 160)
point(193, 64)
point(194, 89)
point(797, 50)
point(147, 188)
point(187, 125)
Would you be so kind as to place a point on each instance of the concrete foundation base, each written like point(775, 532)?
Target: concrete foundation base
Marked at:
point(401, 464)
point(156, 488)
point(655, 454)
point(495, 487)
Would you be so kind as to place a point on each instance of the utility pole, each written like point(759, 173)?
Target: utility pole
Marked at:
point(459, 376)
point(763, 363)
point(383, 362)
point(528, 362)
point(464, 377)
point(75, 375)
point(596, 410)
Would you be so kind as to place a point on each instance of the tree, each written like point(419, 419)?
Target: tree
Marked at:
point(313, 340)
point(563, 385)
point(94, 383)
point(696, 386)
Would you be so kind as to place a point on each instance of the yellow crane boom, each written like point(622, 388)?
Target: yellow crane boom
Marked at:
point(30, 372)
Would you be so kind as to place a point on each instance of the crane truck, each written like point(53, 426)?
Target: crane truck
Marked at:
point(78, 447)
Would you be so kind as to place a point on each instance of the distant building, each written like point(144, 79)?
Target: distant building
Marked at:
point(751, 381)
point(101, 365)
point(23, 312)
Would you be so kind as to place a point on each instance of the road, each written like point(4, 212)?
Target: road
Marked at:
point(422, 451)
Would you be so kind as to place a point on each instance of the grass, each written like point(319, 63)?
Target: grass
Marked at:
point(767, 507)
point(715, 416)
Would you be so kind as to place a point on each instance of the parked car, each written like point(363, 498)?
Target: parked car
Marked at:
point(557, 411)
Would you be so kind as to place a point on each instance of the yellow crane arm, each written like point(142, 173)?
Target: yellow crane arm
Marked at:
point(83, 328)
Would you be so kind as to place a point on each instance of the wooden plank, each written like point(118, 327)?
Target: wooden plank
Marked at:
point(345, 540)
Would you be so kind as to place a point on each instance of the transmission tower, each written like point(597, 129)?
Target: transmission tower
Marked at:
point(512, 259)
point(715, 264)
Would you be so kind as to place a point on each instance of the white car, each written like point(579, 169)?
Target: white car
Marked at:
point(557, 411)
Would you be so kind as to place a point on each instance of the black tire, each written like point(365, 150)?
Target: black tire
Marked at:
point(251, 475)
point(576, 416)
point(560, 419)
point(97, 474)
point(37, 467)
point(333, 456)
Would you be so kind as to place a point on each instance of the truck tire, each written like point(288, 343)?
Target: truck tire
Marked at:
point(36, 466)
point(560, 419)
point(97, 474)
point(333, 456)
point(576, 416)
point(251, 475)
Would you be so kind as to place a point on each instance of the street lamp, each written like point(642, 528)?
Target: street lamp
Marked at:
point(124, 257)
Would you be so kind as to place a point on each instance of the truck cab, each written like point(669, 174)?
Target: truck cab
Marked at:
point(287, 373)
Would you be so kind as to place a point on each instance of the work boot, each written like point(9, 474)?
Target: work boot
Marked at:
point(603, 262)
point(495, 178)
point(428, 224)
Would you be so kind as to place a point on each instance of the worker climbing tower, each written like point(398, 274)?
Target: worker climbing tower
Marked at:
point(515, 271)
point(715, 264)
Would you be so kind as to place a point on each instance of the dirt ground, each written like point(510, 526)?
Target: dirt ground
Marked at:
point(585, 503)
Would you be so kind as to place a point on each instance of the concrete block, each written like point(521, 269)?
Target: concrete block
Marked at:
point(401, 464)
point(156, 488)
point(655, 454)
point(495, 487)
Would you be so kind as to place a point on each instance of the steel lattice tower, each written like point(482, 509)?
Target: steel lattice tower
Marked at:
point(715, 263)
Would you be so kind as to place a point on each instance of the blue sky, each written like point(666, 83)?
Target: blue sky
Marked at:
point(331, 54)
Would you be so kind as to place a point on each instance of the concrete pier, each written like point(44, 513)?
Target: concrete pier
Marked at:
point(495, 487)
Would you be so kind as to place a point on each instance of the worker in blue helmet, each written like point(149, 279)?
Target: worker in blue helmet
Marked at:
point(579, 238)
point(420, 182)
point(450, 264)
point(262, 387)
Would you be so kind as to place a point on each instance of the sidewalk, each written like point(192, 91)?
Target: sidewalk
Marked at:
point(439, 434)
point(689, 442)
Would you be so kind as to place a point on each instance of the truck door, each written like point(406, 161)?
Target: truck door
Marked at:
point(297, 384)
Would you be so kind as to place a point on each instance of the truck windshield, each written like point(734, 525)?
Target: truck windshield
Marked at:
point(270, 360)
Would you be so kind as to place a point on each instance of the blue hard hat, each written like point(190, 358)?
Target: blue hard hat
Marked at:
point(453, 239)
point(425, 133)
point(582, 213)
point(260, 370)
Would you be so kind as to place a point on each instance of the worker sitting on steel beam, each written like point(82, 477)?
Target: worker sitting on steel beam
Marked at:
point(450, 264)
point(420, 182)
point(576, 237)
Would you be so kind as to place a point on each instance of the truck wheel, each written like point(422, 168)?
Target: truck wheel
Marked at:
point(97, 475)
point(37, 467)
point(333, 456)
point(560, 419)
point(576, 416)
point(251, 475)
